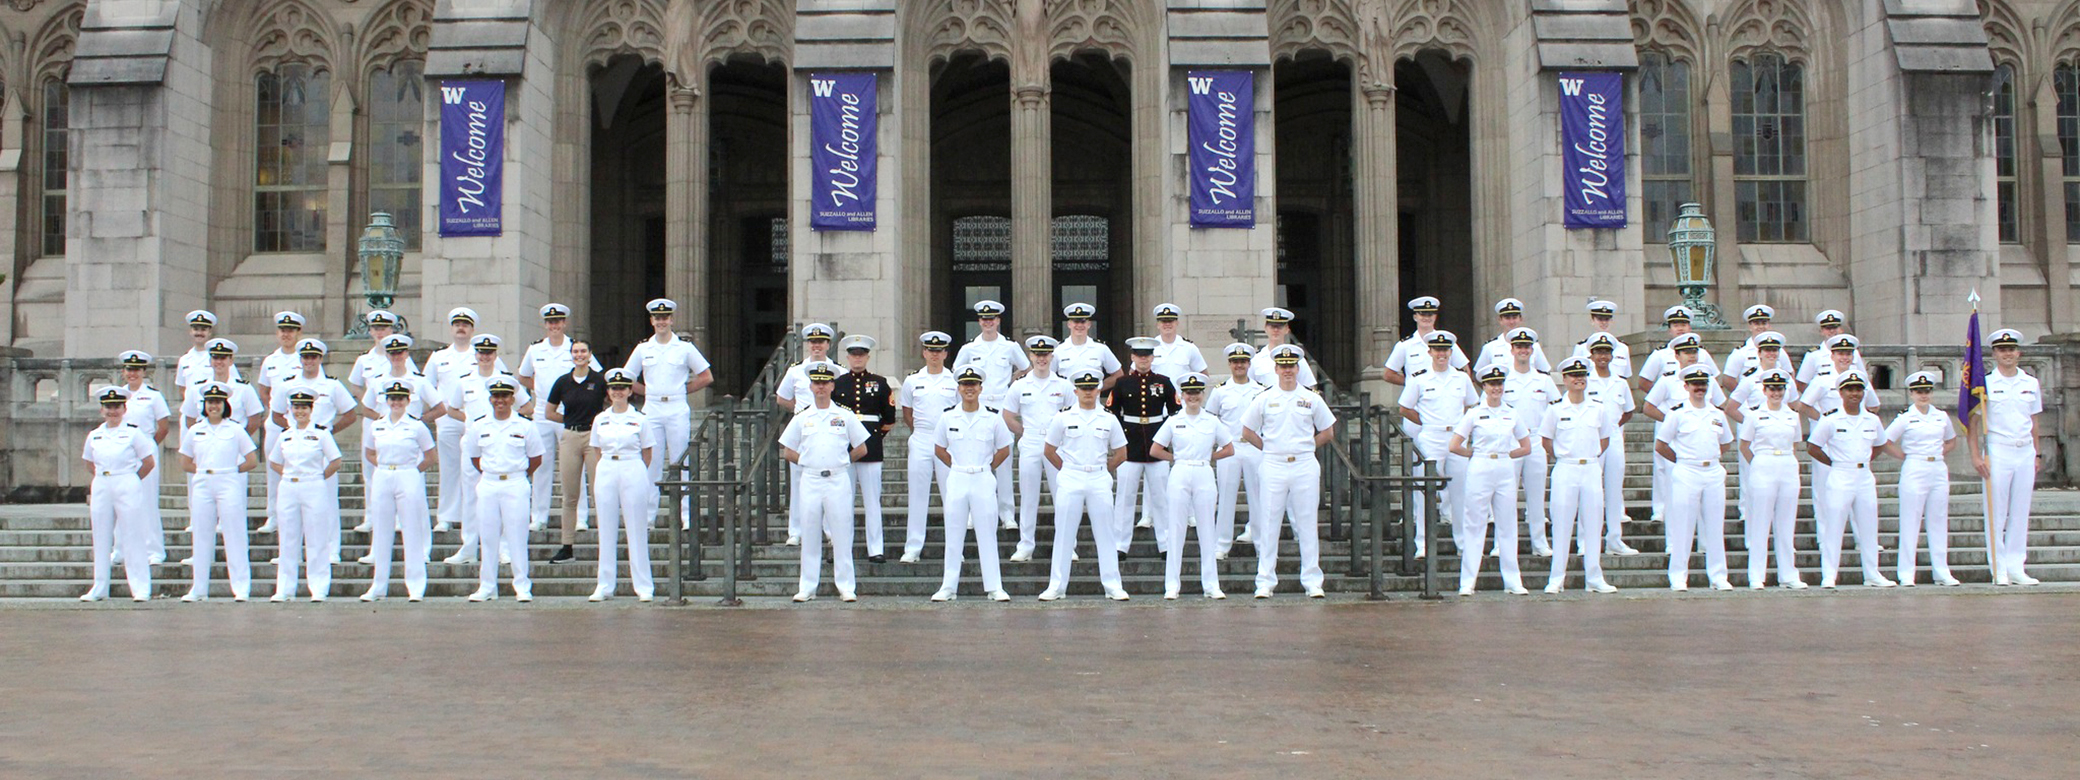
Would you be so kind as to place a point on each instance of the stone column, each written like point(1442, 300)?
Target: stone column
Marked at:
point(686, 209)
point(1377, 210)
point(1032, 211)
point(17, 248)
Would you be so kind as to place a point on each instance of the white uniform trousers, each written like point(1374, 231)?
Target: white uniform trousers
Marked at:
point(868, 477)
point(2011, 483)
point(671, 431)
point(305, 507)
point(1077, 492)
point(1770, 492)
point(971, 494)
point(397, 502)
point(148, 503)
point(1577, 509)
point(1852, 499)
point(1613, 492)
point(472, 519)
point(1292, 487)
point(625, 500)
point(456, 497)
point(1531, 477)
point(269, 435)
point(1659, 487)
point(1491, 498)
point(1032, 467)
point(794, 501)
point(1230, 473)
point(1135, 479)
point(826, 508)
point(1433, 445)
point(115, 515)
point(1006, 509)
point(217, 505)
point(921, 461)
point(1924, 500)
point(1696, 512)
point(332, 519)
point(502, 518)
point(1191, 493)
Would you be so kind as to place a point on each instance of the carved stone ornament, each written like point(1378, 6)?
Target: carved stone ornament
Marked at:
point(1780, 26)
point(1667, 25)
point(952, 26)
point(624, 27)
point(290, 31)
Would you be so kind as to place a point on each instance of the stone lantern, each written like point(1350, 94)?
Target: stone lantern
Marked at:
point(1692, 247)
point(382, 264)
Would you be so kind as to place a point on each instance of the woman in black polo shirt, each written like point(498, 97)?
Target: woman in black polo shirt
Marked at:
point(574, 400)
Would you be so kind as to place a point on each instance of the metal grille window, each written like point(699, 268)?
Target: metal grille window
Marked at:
point(57, 157)
point(2066, 82)
point(396, 126)
point(1082, 243)
point(292, 135)
point(1664, 137)
point(2005, 184)
point(1769, 163)
point(781, 243)
point(982, 243)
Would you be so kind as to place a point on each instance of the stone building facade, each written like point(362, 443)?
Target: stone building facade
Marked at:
point(1885, 157)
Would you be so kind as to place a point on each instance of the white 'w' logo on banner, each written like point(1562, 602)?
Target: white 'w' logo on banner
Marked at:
point(453, 95)
point(822, 87)
point(1201, 85)
point(1571, 87)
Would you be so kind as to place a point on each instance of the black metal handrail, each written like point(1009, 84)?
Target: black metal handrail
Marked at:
point(1361, 479)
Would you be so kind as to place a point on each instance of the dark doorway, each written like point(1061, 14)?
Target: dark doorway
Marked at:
point(628, 252)
point(747, 230)
point(1436, 189)
point(1317, 271)
point(1091, 240)
point(971, 190)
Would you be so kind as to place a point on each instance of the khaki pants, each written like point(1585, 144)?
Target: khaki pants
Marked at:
point(571, 457)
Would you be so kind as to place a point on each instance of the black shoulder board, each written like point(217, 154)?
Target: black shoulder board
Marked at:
point(992, 410)
point(419, 373)
point(131, 425)
point(538, 341)
point(951, 408)
point(319, 426)
point(479, 418)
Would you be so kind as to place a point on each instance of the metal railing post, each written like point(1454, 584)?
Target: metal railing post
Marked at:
point(1376, 527)
point(678, 572)
point(1431, 494)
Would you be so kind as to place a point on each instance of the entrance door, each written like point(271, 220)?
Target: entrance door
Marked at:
point(1081, 245)
point(981, 270)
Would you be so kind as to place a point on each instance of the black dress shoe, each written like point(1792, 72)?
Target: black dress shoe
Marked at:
point(877, 559)
point(563, 555)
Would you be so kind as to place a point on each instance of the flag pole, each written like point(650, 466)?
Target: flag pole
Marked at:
point(1976, 433)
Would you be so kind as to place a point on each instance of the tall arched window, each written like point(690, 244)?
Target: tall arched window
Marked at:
point(1664, 139)
point(2066, 81)
point(2005, 184)
point(396, 124)
point(1769, 162)
point(57, 130)
point(292, 136)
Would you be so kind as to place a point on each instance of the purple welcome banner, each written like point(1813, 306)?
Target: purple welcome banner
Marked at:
point(1592, 149)
point(1221, 121)
point(842, 150)
point(473, 150)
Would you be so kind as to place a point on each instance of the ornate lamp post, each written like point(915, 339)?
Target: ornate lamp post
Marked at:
point(382, 263)
point(1692, 245)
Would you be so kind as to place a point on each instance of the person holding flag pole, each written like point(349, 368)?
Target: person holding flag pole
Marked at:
point(2004, 435)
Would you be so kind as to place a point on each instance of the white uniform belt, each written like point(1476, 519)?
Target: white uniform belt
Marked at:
point(1194, 462)
point(2016, 443)
point(970, 469)
point(664, 399)
point(212, 472)
point(300, 479)
point(1923, 458)
point(620, 456)
point(1491, 455)
point(105, 473)
point(1286, 457)
point(1703, 464)
point(1144, 420)
point(1841, 465)
point(1077, 467)
point(836, 472)
point(397, 466)
point(870, 418)
point(1767, 452)
point(503, 476)
point(1577, 461)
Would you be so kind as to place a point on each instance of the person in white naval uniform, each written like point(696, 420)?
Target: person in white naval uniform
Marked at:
point(147, 410)
point(1509, 317)
point(1035, 399)
point(1412, 353)
point(1601, 313)
point(668, 369)
point(792, 394)
point(1278, 330)
point(365, 378)
point(972, 441)
point(545, 362)
point(2007, 459)
point(190, 370)
point(1764, 353)
point(1000, 360)
point(119, 455)
point(1079, 352)
point(1492, 437)
point(401, 449)
point(306, 457)
point(1741, 361)
point(216, 454)
point(1925, 435)
point(924, 397)
point(245, 408)
point(620, 443)
point(1175, 355)
point(423, 403)
point(1606, 386)
point(505, 452)
point(1846, 440)
point(1819, 399)
point(336, 409)
point(1529, 390)
point(1574, 433)
point(1432, 400)
point(468, 398)
point(1830, 323)
point(277, 364)
point(1084, 444)
point(1770, 432)
point(1192, 440)
point(1666, 394)
point(823, 439)
point(1692, 438)
point(1288, 422)
point(446, 365)
point(1238, 472)
point(1662, 363)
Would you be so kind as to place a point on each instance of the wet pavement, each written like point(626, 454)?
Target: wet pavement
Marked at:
point(1892, 684)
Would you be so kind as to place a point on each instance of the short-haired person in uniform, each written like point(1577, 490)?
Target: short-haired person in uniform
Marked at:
point(1034, 401)
point(574, 399)
point(1143, 399)
point(374, 363)
point(306, 458)
point(1529, 390)
point(1925, 436)
point(1740, 362)
point(1084, 444)
point(119, 455)
point(1413, 353)
point(423, 403)
point(1692, 437)
point(288, 330)
point(822, 440)
point(445, 365)
point(792, 394)
point(1764, 353)
point(668, 368)
point(1665, 395)
point(1192, 441)
point(2008, 461)
point(1846, 440)
point(1288, 422)
point(147, 410)
point(1175, 355)
point(1509, 318)
point(1830, 323)
point(335, 409)
point(1079, 352)
point(468, 399)
point(1821, 398)
point(1770, 433)
point(1238, 472)
point(1433, 398)
point(1278, 331)
point(545, 362)
point(1492, 437)
point(503, 449)
point(1601, 313)
point(245, 408)
point(872, 399)
point(216, 454)
point(925, 396)
point(1574, 433)
point(1000, 359)
point(1607, 386)
point(401, 450)
point(1662, 363)
point(972, 440)
point(618, 440)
